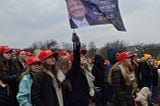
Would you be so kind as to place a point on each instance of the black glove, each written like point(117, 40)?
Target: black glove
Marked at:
point(75, 38)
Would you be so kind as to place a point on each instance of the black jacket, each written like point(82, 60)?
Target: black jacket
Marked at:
point(8, 75)
point(146, 73)
point(98, 72)
point(79, 96)
point(43, 92)
point(19, 66)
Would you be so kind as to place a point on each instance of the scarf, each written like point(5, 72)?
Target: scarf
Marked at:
point(58, 90)
point(90, 79)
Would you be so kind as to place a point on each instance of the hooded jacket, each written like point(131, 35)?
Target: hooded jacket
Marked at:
point(112, 59)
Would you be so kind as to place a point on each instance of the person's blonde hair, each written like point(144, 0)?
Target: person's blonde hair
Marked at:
point(36, 51)
point(127, 73)
point(64, 65)
point(115, 67)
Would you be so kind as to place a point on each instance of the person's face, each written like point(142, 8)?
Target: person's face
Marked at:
point(83, 60)
point(128, 61)
point(149, 60)
point(7, 55)
point(89, 61)
point(22, 55)
point(50, 60)
point(76, 9)
point(35, 67)
point(13, 54)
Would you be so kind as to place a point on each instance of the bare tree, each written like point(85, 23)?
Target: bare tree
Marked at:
point(119, 45)
point(83, 46)
point(49, 44)
point(140, 48)
point(67, 46)
point(91, 49)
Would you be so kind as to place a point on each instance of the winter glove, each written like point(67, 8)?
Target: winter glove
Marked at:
point(76, 42)
point(75, 38)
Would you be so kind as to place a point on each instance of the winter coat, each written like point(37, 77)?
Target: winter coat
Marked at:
point(79, 96)
point(8, 76)
point(122, 95)
point(154, 76)
point(24, 95)
point(43, 92)
point(112, 60)
point(98, 72)
point(20, 66)
point(146, 74)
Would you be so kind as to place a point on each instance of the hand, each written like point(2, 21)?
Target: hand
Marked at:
point(75, 38)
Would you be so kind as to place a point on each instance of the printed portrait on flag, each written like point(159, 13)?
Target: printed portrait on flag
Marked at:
point(94, 12)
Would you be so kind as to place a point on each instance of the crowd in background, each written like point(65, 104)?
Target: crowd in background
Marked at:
point(46, 78)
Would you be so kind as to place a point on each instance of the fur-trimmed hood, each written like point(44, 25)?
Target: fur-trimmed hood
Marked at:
point(126, 72)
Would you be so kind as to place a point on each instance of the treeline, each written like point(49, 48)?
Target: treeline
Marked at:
point(139, 49)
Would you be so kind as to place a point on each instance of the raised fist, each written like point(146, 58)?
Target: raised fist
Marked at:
point(75, 38)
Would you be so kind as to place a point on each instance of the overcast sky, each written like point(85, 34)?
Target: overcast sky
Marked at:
point(23, 22)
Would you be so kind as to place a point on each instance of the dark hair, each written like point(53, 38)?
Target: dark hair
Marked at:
point(54, 70)
point(1, 56)
point(27, 71)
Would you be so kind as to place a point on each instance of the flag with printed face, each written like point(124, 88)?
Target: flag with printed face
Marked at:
point(94, 12)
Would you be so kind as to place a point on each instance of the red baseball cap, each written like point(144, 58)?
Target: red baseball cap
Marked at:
point(31, 60)
point(45, 54)
point(19, 51)
point(5, 49)
point(124, 55)
point(83, 52)
point(28, 54)
point(62, 53)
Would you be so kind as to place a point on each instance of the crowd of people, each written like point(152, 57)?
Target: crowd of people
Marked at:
point(45, 78)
